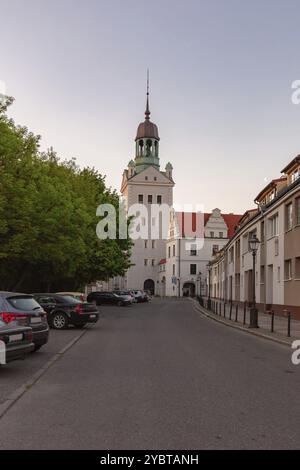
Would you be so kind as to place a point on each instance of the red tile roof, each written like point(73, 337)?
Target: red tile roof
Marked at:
point(231, 220)
point(189, 225)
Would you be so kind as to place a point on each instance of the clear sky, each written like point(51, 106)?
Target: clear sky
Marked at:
point(220, 91)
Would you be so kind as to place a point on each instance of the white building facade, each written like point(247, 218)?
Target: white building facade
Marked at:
point(144, 183)
point(193, 241)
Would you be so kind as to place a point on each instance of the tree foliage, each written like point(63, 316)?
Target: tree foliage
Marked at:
point(48, 218)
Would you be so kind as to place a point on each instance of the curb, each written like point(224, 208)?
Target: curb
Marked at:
point(205, 313)
point(19, 392)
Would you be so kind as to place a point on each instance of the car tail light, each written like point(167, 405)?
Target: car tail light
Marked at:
point(78, 308)
point(7, 317)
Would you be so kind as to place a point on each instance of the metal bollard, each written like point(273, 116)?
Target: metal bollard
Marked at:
point(244, 318)
point(224, 313)
point(236, 312)
point(289, 324)
point(230, 311)
point(272, 321)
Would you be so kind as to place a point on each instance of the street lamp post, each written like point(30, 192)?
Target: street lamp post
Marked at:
point(209, 275)
point(253, 246)
point(199, 283)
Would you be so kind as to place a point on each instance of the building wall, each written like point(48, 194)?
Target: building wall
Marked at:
point(273, 289)
point(146, 256)
point(292, 252)
point(178, 265)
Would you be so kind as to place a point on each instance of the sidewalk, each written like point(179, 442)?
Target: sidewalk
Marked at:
point(237, 318)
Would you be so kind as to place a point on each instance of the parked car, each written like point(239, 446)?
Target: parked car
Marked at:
point(125, 293)
point(100, 298)
point(24, 309)
point(17, 339)
point(140, 296)
point(76, 295)
point(64, 310)
point(148, 295)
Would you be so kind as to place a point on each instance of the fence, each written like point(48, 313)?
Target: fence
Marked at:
point(240, 313)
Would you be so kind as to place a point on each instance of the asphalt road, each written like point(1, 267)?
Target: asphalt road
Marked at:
point(161, 376)
point(16, 373)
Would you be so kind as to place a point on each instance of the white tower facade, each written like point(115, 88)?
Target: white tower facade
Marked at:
point(144, 183)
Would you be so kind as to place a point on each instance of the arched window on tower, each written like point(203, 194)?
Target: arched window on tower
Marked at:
point(149, 148)
point(156, 148)
point(141, 145)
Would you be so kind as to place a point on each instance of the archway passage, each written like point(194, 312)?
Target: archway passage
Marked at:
point(150, 286)
point(188, 289)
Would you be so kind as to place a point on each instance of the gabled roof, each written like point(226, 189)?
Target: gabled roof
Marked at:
point(189, 225)
point(231, 221)
point(248, 215)
point(270, 186)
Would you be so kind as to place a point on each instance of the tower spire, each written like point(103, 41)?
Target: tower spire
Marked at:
point(147, 112)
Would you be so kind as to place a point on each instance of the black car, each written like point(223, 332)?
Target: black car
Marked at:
point(100, 298)
point(24, 309)
point(64, 310)
point(15, 341)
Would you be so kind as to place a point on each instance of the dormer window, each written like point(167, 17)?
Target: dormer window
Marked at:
point(272, 195)
point(295, 175)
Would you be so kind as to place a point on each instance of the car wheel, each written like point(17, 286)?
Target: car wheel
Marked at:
point(37, 348)
point(120, 303)
point(59, 321)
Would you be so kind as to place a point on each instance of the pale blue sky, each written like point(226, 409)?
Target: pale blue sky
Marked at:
point(221, 74)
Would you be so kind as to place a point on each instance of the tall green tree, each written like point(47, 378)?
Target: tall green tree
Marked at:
point(48, 217)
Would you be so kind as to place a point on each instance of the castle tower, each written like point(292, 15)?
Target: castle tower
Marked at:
point(144, 183)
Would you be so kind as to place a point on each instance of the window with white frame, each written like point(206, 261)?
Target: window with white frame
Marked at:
point(295, 175)
point(273, 226)
point(297, 207)
point(297, 267)
point(193, 250)
point(288, 269)
point(193, 269)
point(289, 216)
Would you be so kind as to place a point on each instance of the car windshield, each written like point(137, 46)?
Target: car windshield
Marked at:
point(23, 303)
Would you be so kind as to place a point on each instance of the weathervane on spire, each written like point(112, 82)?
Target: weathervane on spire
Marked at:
point(147, 112)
